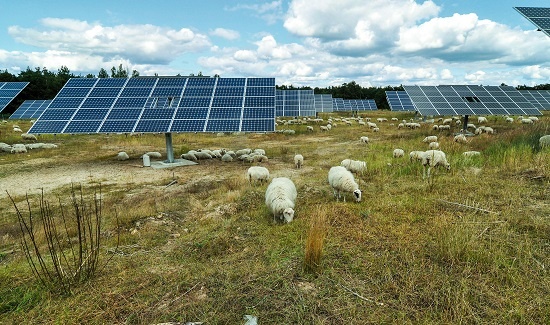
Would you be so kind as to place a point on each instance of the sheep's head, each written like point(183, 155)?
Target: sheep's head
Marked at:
point(357, 195)
point(288, 215)
point(448, 166)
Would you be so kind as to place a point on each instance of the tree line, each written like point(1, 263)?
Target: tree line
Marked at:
point(45, 84)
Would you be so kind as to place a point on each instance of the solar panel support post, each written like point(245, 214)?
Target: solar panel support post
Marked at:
point(465, 126)
point(169, 148)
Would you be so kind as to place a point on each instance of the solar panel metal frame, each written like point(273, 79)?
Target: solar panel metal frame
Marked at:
point(469, 100)
point(538, 16)
point(9, 90)
point(160, 105)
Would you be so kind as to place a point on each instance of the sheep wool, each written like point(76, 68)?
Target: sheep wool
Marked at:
point(154, 154)
point(122, 156)
point(227, 158)
point(544, 141)
point(416, 155)
point(398, 153)
point(298, 161)
point(471, 153)
point(364, 139)
point(433, 145)
point(433, 159)
point(280, 199)
point(30, 137)
point(354, 166)
point(18, 148)
point(257, 174)
point(342, 180)
point(431, 138)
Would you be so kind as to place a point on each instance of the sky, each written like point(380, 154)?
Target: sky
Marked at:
point(316, 43)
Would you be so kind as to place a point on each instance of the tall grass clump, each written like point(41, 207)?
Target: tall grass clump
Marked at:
point(62, 247)
point(315, 240)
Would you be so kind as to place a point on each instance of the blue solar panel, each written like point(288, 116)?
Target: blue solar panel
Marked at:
point(540, 17)
point(469, 100)
point(400, 101)
point(161, 104)
point(30, 109)
point(323, 103)
point(8, 91)
point(295, 103)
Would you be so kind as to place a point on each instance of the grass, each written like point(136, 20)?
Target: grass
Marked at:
point(205, 249)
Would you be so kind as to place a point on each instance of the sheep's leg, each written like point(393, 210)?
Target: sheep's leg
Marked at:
point(423, 172)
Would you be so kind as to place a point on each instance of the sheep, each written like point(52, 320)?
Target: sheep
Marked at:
point(354, 166)
point(376, 130)
point(17, 130)
point(189, 156)
point(29, 137)
point(259, 151)
point(243, 152)
point(431, 138)
point(342, 180)
point(527, 121)
point(489, 130)
point(257, 174)
point(461, 138)
point(18, 148)
point(398, 153)
point(447, 121)
point(534, 118)
point(435, 127)
point(509, 120)
point(364, 139)
point(122, 156)
point(280, 198)
point(433, 145)
point(259, 158)
point(544, 141)
point(433, 159)
point(202, 155)
point(323, 128)
point(400, 125)
point(471, 153)
point(444, 127)
point(309, 128)
point(481, 120)
point(289, 132)
point(371, 125)
point(227, 157)
point(416, 155)
point(49, 146)
point(298, 161)
point(154, 154)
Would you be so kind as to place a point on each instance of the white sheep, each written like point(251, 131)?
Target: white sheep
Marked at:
point(298, 161)
point(342, 180)
point(309, 128)
point(243, 152)
point(509, 120)
point(30, 137)
point(49, 146)
point(18, 148)
point(460, 138)
point(154, 154)
point(471, 153)
point(433, 145)
point(17, 129)
point(433, 159)
point(489, 130)
point(280, 198)
point(481, 119)
point(544, 141)
point(257, 174)
point(534, 118)
point(416, 155)
point(398, 153)
point(527, 121)
point(122, 156)
point(435, 127)
point(354, 166)
point(259, 151)
point(227, 157)
point(364, 139)
point(323, 128)
point(376, 130)
point(202, 155)
point(447, 121)
point(189, 156)
point(431, 138)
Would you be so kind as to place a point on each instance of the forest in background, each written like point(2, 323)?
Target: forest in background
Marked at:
point(45, 84)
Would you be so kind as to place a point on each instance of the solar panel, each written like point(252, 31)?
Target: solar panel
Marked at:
point(469, 100)
point(10, 90)
point(540, 17)
point(323, 103)
point(348, 105)
point(338, 104)
point(161, 104)
point(539, 98)
point(295, 103)
point(399, 101)
point(30, 109)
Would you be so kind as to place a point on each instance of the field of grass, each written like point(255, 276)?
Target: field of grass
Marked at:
point(472, 245)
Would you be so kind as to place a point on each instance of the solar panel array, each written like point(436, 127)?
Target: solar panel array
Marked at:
point(399, 101)
point(30, 109)
point(540, 17)
point(295, 103)
point(10, 90)
point(338, 104)
point(323, 103)
point(469, 100)
point(348, 105)
point(539, 98)
point(161, 104)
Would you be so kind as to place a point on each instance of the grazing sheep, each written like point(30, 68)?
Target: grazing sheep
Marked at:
point(18, 148)
point(259, 158)
point(364, 139)
point(371, 125)
point(447, 121)
point(433, 145)
point(243, 152)
point(17, 130)
point(310, 128)
point(289, 132)
point(416, 155)
point(323, 128)
point(534, 118)
point(342, 180)
point(471, 153)
point(30, 137)
point(400, 125)
point(154, 154)
point(49, 146)
point(280, 198)
point(202, 155)
point(482, 119)
point(298, 161)
point(375, 130)
point(433, 159)
point(509, 120)
point(444, 127)
point(122, 156)
point(489, 130)
point(227, 158)
point(257, 174)
point(544, 141)
point(431, 138)
point(527, 121)
point(259, 151)
point(460, 138)
point(435, 127)
point(354, 166)
point(398, 153)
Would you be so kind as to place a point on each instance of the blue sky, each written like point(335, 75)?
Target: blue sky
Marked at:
point(300, 42)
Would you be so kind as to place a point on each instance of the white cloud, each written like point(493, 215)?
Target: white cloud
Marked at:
point(476, 77)
point(271, 12)
point(225, 33)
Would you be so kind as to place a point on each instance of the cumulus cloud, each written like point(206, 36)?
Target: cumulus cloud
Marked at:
point(225, 33)
point(142, 44)
point(271, 12)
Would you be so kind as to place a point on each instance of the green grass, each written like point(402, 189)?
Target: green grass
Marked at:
point(206, 249)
